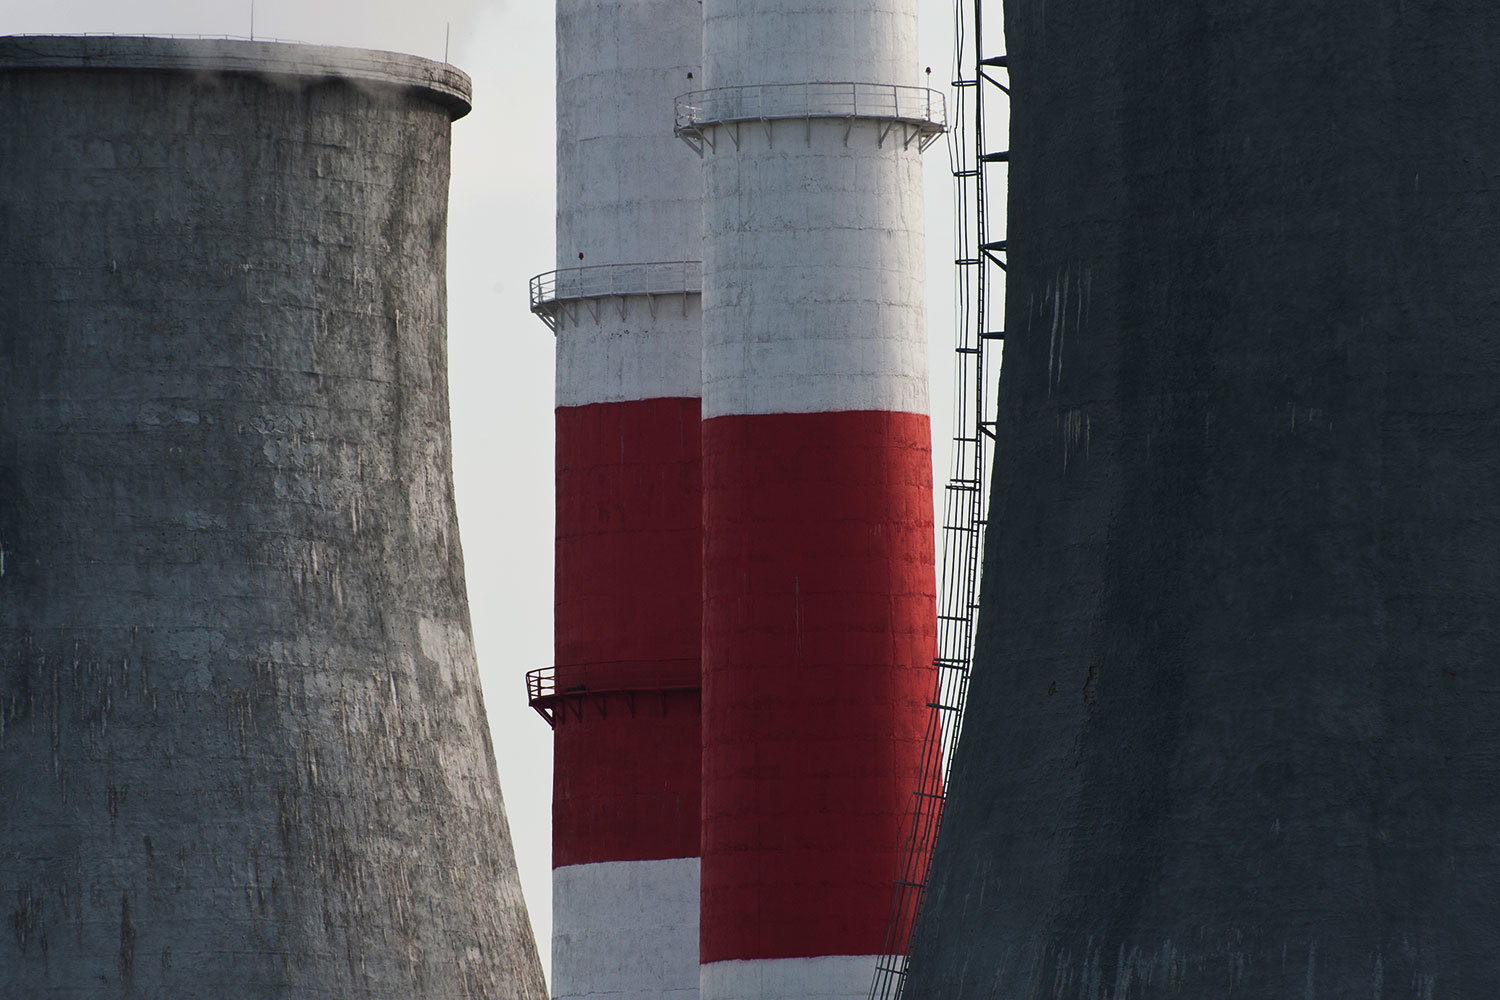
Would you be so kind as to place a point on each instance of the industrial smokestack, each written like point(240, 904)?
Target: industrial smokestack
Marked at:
point(1233, 721)
point(243, 751)
point(623, 696)
point(818, 548)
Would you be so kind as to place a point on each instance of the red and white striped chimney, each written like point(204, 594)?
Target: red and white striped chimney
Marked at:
point(624, 695)
point(819, 614)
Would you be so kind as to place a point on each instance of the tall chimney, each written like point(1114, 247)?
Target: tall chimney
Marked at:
point(623, 696)
point(818, 625)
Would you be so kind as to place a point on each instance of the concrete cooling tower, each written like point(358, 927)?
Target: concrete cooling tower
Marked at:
point(243, 752)
point(1233, 727)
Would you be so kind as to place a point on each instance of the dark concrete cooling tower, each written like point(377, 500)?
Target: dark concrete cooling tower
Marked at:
point(243, 752)
point(1234, 729)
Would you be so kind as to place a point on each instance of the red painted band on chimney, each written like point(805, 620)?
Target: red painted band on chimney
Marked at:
point(629, 532)
point(628, 595)
point(625, 783)
point(819, 632)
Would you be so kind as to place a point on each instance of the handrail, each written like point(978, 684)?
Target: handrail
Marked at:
point(550, 290)
point(542, 693)
point(920, 107)
point(540, 683)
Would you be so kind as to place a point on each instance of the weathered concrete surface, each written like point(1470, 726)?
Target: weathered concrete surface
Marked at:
point(628, 191)
point(242, 747)
point(1234, 729)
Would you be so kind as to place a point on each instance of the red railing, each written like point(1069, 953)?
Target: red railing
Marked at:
point(599, 680)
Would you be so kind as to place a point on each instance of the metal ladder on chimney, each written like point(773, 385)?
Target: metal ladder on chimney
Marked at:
point(980, 263)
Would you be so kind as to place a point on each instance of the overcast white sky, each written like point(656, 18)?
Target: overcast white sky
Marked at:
point(500, 233)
